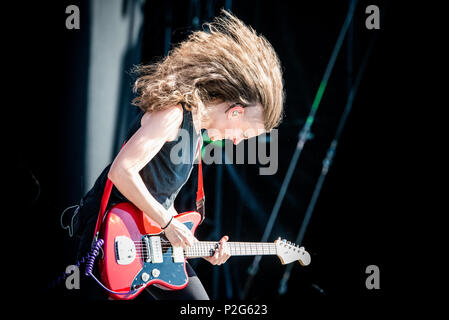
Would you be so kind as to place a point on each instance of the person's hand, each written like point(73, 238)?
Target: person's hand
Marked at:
point(179, 235)
point(222, 253)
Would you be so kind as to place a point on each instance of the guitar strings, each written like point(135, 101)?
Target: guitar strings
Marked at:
point(171, 255)
point(202, 244)
point(207, 248)
point(215, 242)
point(211, 246)
point(145, 254)
point(143, 248)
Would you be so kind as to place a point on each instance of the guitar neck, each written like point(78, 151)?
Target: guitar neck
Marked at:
point(207, 249)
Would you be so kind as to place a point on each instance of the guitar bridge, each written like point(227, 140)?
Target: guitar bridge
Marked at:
point(125, 250)
point(146, 248)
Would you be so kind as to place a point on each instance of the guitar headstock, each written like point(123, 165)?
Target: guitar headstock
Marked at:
point(289, 252)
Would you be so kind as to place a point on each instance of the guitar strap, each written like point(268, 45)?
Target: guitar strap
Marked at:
point(200, 197)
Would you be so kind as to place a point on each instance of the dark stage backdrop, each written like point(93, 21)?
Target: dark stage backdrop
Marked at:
point(357, 220)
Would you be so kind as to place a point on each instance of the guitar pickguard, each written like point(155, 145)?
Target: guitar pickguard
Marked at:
point(167, 272)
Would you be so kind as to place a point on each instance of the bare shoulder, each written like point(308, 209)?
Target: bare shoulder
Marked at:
point(167, 117)
point(164, 123)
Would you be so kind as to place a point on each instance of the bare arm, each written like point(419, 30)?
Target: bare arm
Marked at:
point(156, 128)
point(172, 210)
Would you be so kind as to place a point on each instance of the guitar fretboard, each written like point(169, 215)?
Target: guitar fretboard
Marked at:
point(207, 249)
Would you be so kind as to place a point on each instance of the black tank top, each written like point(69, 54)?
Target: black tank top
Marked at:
point(162, 177)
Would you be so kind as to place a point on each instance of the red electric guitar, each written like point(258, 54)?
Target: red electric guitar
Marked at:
point(137, 254)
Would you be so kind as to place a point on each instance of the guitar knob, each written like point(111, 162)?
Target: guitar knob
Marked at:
point(155, 273)
point(145, 276)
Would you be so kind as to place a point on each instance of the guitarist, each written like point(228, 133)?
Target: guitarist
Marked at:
point(227, 81)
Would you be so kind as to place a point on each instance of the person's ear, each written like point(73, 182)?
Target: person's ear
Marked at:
point(235, 112)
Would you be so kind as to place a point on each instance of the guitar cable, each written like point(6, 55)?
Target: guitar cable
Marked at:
point(89, 259)
point(90, 264)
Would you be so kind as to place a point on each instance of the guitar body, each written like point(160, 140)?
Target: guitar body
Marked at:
point(128, 263)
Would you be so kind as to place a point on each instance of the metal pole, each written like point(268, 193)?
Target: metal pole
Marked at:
point(303, 136)
point(326, 165)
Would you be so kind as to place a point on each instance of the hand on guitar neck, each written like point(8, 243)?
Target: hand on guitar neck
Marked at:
point(222, 253)
point(180, 236)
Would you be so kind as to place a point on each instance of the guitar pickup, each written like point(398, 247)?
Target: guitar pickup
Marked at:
point(178, 254)
point(155, 249)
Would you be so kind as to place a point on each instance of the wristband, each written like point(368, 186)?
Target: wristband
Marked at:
point(163, 228)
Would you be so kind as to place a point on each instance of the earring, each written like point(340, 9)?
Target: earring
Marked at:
point(235, 113)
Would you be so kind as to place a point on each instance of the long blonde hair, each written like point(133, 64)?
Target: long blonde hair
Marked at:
point(228, 62)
